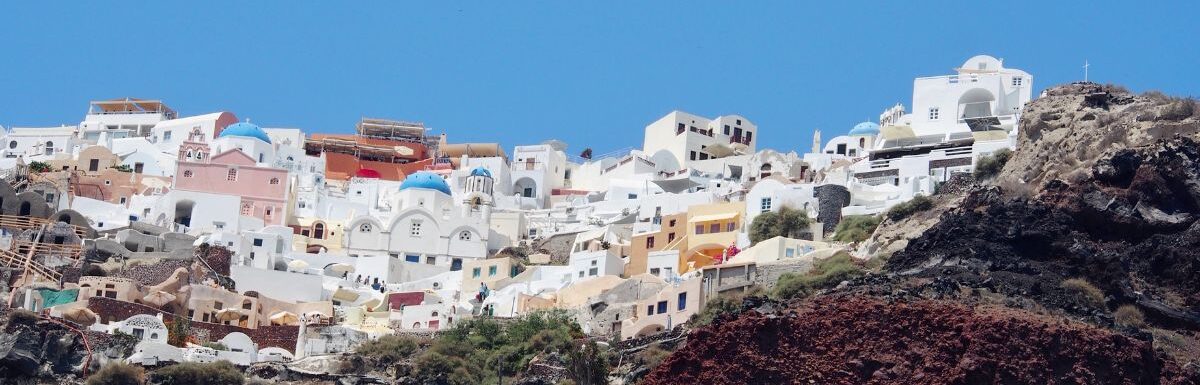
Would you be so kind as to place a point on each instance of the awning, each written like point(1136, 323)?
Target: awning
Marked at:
point(982, 136)
point(676, 186)
point(713, 217)
point(345, 295)
point(896, 132)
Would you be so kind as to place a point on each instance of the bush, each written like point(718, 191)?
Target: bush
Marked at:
point(653, 355)
point(39, 167)
point(825, 273)
point(722, 304)
point(1129, 315)
point(21, 317)
point(1178, 109)
point(93, 270)
point(915, 205)
point(989, 165)
point(855, 228)
point(788, 222)
point(389, 348)
point(434, 367)
point(192, 373)
point(1084, 291)
point(216, 346)
point(588, 364)
point(118, 373)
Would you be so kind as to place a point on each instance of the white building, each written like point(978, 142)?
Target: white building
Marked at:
point(679, 138)
point(536, 171)
point(122, 118)
point(420, 229)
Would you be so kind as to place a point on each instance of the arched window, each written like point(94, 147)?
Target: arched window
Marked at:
point(274, 180)
point(12, 144)
point(232, 175)
point(187, 173)
point(319, 230)
point(862, 142)
point(189, 154)
point(49, 147)
point(246, 304)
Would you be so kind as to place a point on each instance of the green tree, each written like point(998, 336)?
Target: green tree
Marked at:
point(178, 330)
point(855, 228)
point(588, 364)
point(788, 222)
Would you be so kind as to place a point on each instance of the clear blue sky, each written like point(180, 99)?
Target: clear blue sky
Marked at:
point(589, 74)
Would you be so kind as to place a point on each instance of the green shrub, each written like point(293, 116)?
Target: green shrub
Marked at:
point(915, 205)
point(787, 222)
point(214, 345)
point(588, 364)
point(1129, 315)
point(1084, 291)
point(389, 348)
point(990, 165)
point(653, 355)
point(826, 273)
point(855, 228)
point(39, 167)
point(724, 303)
point(192, 373)
point(118, 373)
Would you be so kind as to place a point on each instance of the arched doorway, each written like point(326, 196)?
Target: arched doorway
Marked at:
point(25, 208)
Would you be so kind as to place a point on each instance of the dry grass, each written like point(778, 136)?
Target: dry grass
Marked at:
point(1084, 291)
point(1129, 315)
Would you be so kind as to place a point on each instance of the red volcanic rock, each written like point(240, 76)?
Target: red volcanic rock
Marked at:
point(864, 340)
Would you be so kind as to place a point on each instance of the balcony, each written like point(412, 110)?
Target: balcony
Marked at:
point(740, 139)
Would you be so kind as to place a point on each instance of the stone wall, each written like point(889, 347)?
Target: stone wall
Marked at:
point(831, 199)
point(768, 273)
point(280, 336)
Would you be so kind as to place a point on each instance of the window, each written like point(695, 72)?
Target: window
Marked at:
point(12, 144)
point(108, 183)
point(662, 307)
point(414, 229)
point(631, 196)
point(412, 258)
point(491, 270)
point(749, 137)
point(699, 229)
point(274, 180)
point(693, 156)
point(703, 156)
point(649, 309)
point(94, 165)
point(138, 167)
point(789, 252)
point(739, 122)
point(654, 271)
point(765, 205)
point(246, 305)
point(593, 272)
point(187, 173)
point(933, 113)
point(365, 227)
point(679, 129)
point(672, 223)
point(258, 242)
point(1017, 81)
point(232, 176)
point(670, 237)
point(464, 236)
point(456, 264)
point(475, 272)
point(166, 135)
point(649, 242)
point(189, 154)
point(729, 226)
point(430, 260)
point(682, 301)
point(726, 129)
point(218, 305)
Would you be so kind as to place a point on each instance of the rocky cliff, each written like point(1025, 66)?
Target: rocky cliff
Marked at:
point(1078, 263)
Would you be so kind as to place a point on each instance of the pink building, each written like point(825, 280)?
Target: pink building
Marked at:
point(263, 190)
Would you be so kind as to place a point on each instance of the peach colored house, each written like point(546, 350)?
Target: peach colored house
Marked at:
point(263, 190)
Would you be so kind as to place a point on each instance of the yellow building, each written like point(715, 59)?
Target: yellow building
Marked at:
point(711, 229)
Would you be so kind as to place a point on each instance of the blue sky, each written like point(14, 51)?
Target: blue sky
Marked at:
point(591, 74)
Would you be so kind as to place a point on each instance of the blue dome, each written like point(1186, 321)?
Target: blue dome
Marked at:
point(865, 128)
point(480, 171)
point(427, 180)
point(245, 129)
